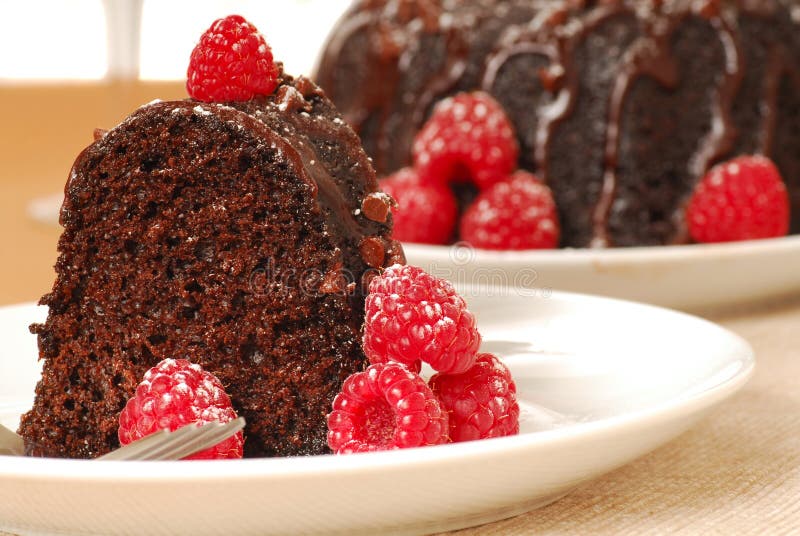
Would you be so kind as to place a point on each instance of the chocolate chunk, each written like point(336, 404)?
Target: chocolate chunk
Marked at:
point(376, 206)
point(290, 99)
point(307, 88)
point(372, 251)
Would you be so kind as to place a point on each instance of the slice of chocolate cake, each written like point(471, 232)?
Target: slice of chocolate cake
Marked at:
point(621, 106)
point(238, 236)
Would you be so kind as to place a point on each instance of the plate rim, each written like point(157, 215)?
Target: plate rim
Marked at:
point(618, 255)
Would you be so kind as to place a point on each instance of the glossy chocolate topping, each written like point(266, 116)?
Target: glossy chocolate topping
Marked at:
point(608, 97)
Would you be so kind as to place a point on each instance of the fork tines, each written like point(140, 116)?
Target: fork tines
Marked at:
point(183, 442)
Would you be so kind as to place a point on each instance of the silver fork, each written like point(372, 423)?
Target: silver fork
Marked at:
point(162, 445)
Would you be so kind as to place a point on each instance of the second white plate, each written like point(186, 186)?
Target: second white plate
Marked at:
point(600, 382)
point(691, 278)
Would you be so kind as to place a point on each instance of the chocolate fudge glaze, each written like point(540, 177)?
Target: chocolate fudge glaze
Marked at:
point(684, 84)
point(231, 235)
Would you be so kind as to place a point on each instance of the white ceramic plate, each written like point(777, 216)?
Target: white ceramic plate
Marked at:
point(600, 381)
point(690, 278)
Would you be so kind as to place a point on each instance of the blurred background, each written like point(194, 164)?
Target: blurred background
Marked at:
point(70, 66)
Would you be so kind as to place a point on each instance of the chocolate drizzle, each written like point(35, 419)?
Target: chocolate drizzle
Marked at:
point(444, 81)
point(775, 65)
point(396, 31)
point(549, 115)
point(721, 137)
point(385, 60)
point(553, 31)
point(778, 67)
point(648, 57)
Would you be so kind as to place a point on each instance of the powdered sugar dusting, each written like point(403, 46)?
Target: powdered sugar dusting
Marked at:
point(199, 110)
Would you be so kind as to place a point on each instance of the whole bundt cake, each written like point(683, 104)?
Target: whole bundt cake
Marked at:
point(621, 106)
point(238, 236)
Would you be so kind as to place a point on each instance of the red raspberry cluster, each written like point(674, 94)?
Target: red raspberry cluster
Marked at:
point(413, 317)
point(469, 138)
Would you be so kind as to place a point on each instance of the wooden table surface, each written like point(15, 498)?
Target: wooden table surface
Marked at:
point(737, 472)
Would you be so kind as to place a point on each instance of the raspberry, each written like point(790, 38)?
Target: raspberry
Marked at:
point(425, 213)
point(176, 393)
point(468, 136)
point(232, 62)
point(412, 315)
point(481, 403)
point(742, 199)
point(385, 407)
point(518, 213)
